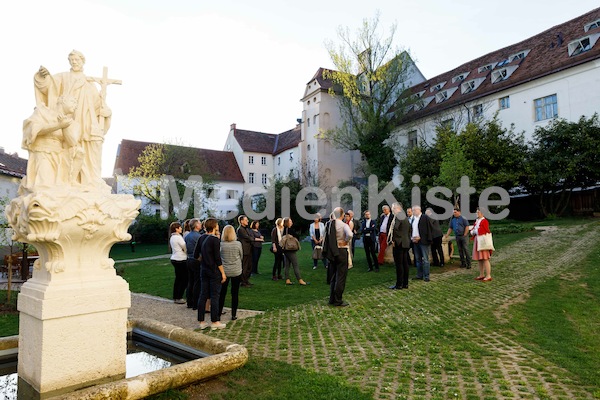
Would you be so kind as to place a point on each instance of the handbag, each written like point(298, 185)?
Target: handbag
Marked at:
point(289, 243)
point(485, 242)
point(317, 252)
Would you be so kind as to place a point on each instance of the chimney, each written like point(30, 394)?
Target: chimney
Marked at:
point(1, 150)
point(233, 126)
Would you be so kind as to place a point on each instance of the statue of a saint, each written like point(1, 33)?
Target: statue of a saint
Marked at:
point(92, 115)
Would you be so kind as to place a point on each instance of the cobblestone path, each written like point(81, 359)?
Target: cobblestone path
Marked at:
point(429, 342)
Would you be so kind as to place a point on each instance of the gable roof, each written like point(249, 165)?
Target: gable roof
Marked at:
point(268, 143)
point(12, 165)
point(546, 53)
point(217, 165)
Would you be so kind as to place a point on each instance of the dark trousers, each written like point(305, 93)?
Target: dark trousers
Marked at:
point(462, 242)
point(210, 289)
point(235, 290)
point(370, 252)
point(401, 262)
point(181, 279)
point(256, 252)
point(277, 262)
point(339, 272)
point(246, 268)
point(437, 253)
point(193, 288)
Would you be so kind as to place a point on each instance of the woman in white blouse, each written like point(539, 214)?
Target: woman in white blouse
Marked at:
point(179, 261)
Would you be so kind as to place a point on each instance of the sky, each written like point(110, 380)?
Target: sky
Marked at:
point(191, 68)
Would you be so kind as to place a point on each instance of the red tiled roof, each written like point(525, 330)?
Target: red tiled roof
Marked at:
point(216, 165)
point(324, 83)
point(287, 140)
point(13, 165)
point(268, 143)
point(548, 54)
point(255, 142)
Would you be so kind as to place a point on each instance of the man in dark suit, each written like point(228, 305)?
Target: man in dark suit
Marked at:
point(246, 239)
point(369, 234)
point(399, 239)
point(421, 236)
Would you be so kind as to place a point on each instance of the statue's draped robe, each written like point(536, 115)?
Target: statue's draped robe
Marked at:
point(89, 103)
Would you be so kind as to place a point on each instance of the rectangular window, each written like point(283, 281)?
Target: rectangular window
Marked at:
point(412, 139)
point(308, 121)
point(250, 177)
point(504, 102)
point(250, 159)
point(546, 107)
point(315, 120)
point(291, 155)
point(477, 111)
point(449, 124)
point(263, 160)
point(232, 194)
point(264, 179)
point(279, 160)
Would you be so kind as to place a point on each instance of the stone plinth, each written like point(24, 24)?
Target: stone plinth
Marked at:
point(72, 330)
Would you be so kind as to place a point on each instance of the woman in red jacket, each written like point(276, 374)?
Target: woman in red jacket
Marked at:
point(481, 227)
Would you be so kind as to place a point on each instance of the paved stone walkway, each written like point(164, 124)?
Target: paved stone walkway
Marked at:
point(429, 342)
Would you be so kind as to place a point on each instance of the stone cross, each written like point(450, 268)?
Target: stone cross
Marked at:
point(104, 82)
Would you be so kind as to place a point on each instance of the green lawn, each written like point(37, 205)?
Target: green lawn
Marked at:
point(556, 319)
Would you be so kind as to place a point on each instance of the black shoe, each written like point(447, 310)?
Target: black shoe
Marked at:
point(233, 317)
point(468, 267)
point(416, 278)
point(426, 279)
point(342, 304)
point(404, 287)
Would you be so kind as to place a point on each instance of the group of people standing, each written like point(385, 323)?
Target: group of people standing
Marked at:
point(411, 230)
point(206, 261)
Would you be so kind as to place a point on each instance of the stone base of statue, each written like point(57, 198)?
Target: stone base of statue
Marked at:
point(73, 311)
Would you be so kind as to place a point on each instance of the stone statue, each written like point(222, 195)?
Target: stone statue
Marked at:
point(68, 213)
point(52, 137)
point(92, 114)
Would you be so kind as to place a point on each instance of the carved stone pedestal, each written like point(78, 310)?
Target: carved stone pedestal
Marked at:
point(72, 330)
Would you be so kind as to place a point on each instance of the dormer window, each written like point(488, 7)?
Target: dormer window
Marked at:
point(487, 67)
point(441, 96)
point(519, 55)
point(591, 25)
point(502, 63)
point(503, 74)
point(438, 87)
point(468, 87)
point(444, 95)
point(460, 78)
point(419, 95)
point(583, 44)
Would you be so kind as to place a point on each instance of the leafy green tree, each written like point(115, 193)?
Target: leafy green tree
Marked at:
point(563, 156)
point(454, 166)
point(369, 84)
point(157, 161)
point(498, 154)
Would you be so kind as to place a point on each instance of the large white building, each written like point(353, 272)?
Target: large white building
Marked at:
point(219, 168)
point(554, 74)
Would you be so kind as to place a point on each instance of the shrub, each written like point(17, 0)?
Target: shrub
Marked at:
point(150, 229)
